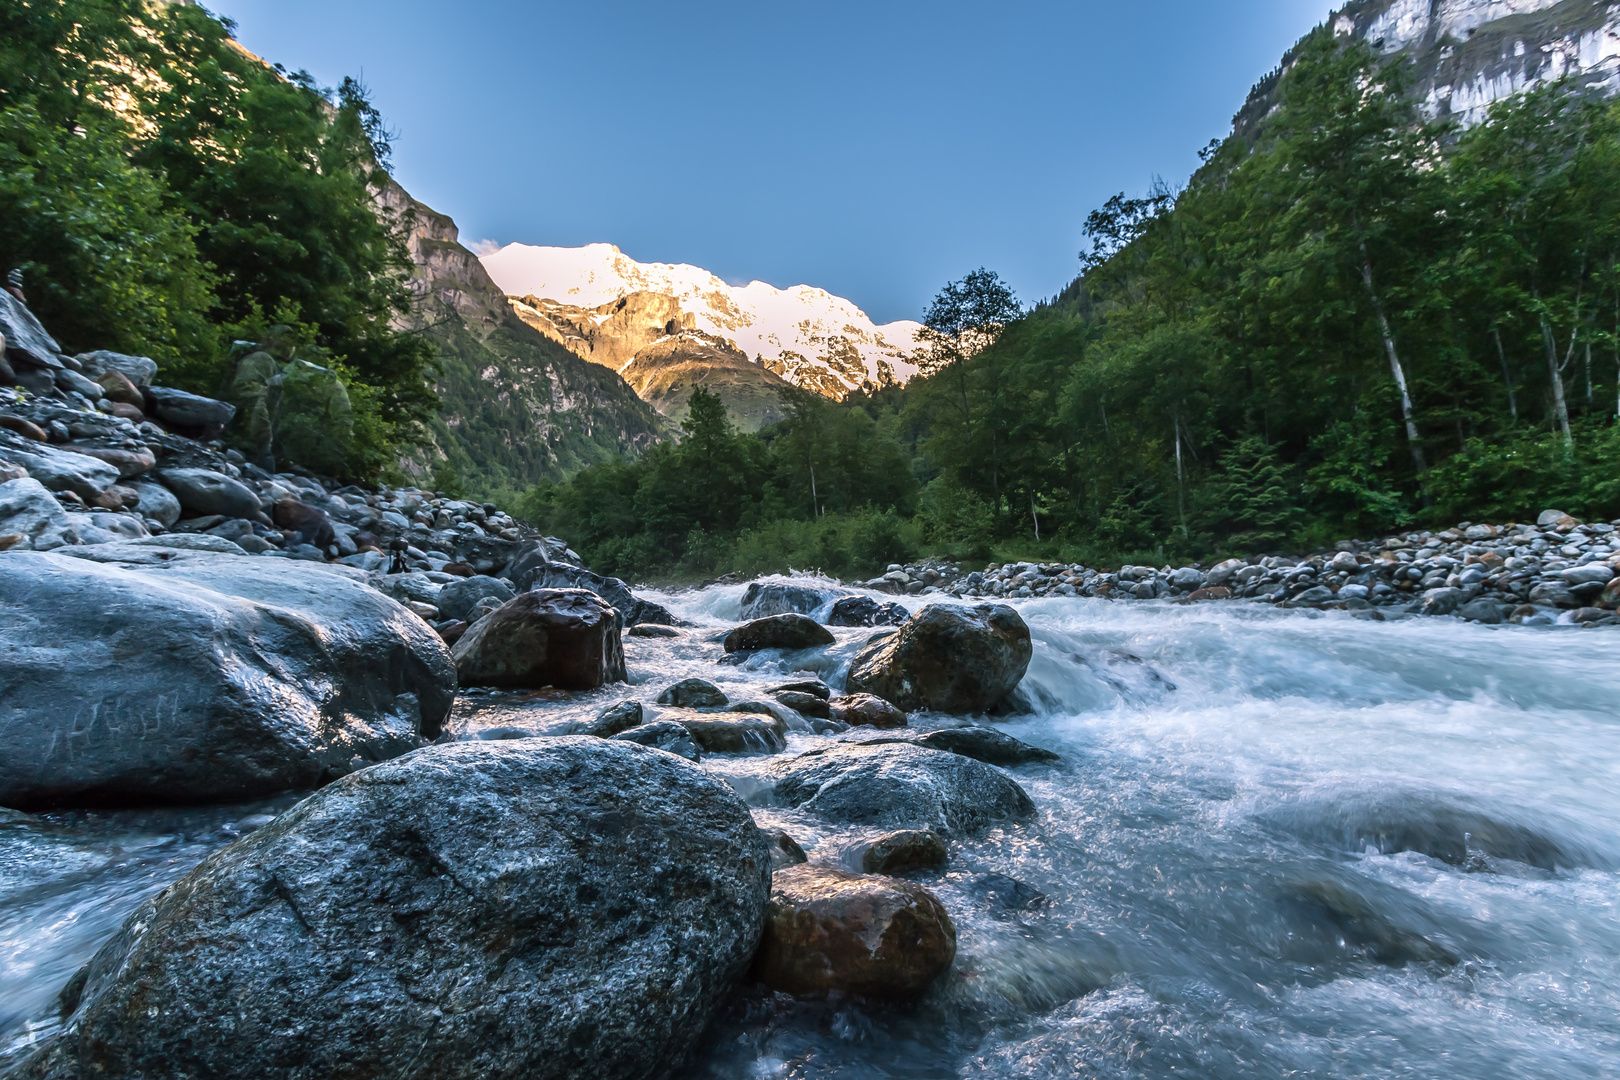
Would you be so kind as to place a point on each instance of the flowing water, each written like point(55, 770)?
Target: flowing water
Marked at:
point(1280, 844)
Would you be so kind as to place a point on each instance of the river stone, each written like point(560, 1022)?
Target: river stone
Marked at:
point(157, 502)
point(948, 658)
point(33, 515)
point(541, 908)
point(805, 704)
point(694, 694)
point(137, 370)
point(899, 852)
point(203, 492)
point(615, 720)
point(135, 672)
point(900, 786)
point(302, 523)
point(535, 567)
point(865, 611)
point(766, 598)
point(27, 343)
point(457, 599)
point(778, 632)
point(831, 931)
point(986, 744)
point(731, 733)
point(567, 638)
point(867, 710)
point(59, 470)
point(664, 735)
point(189, 414)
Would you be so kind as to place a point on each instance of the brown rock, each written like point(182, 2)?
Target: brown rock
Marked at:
point(827, 930)
point(567, 638)
point(119, 389)
point(1210, 592)
point(731, 733)
point(308, 524)
point(26, 428)
point(132, 413)
point(868, 710)
point(129, 463)
point(948, 658)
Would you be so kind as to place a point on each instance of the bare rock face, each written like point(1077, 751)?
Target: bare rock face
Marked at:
point(536, 908)
point(948, 658)
point(567, 638)
point(140, 673)
point(827, 930)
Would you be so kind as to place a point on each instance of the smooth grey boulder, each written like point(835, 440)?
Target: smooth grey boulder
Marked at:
point(137, 369)
point(778, 632)
point(948, 658)
point(901, 786)
point(536, 567)
point(202, 492)
point(157, 502)
point(457, 599)
point(59, 470)
point(865, 611)
point(664, 735)
point(188, 413)
point(762, 599)
point(535, 908)
point(694, 694)
point(136, 672)
point(29, 511)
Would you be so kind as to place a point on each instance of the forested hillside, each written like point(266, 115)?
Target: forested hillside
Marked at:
point(166, 193)
point(1351, 319)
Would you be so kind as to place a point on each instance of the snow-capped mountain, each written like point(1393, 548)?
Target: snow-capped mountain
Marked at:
point(805, 335)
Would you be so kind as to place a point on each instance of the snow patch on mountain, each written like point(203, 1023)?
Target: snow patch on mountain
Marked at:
point(810, 337)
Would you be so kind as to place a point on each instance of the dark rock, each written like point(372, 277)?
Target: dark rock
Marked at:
point(458, 598)
point(141, 673)
point(694, 694)
point(1004, 895)
point(778, 632)
point(864, 611)
point(831, 931)
point(785, 851)
point(1339, 919)
point(721, 733)
point(986, 744)
point(766, 598)
point(899, 852)
point(27, 343)
point(541, 908)
point(867, 710)
point(947, 658)
point(116, 387)
point(59, 470)
point(567, 638)
point(306, 524)
point(202, 492)
point(130, 463)
point(804, 686)
point(900, 786)
point(139, 371)
point(615, 720)
point(807, 704)
point(664, 735)
point(535, 567)
point(24, 427)
point(188, 414)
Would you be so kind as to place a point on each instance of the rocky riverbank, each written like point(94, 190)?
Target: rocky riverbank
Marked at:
point(1556, 571)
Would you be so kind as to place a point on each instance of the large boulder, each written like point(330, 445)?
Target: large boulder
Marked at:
point(27, 342)
point(203, 492)
point(567, 638)
point(948, 658)
point(762, 599)
point(458, 598)
point(778, 632)
point(135, 672)
point(31, 513)
point(539, 565)
point(831, 931)
point(187, 413)
point(303, 523)
point(865, 611)
point(59, 470)
point(540, 908)
point(157, 502)
point(900, 786)
point(138, 370)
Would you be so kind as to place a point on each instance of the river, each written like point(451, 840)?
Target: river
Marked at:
point(1280, 844)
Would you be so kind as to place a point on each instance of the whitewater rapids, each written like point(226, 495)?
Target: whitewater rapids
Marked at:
point(1280, 844)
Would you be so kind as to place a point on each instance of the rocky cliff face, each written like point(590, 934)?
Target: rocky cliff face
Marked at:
point(1470, 54)
point(608, 308)
point(661, 352)
point(516, 406)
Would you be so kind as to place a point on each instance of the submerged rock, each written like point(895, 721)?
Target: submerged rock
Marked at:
point(693, 694)
point(567, 638)
point(731, 733)
point(137, 673)
point(899, 852)
point(778, 632)
point(544, 908)
point(867, 710)
point(901, 786)
point(947, 658)
point(864, 611)
point(827, 930)
point(987, 745)
point(766, 598)
point(664, 735)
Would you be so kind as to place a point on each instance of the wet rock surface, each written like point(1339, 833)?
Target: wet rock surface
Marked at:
point(567, 638)
point(374, 930)
point(778, 632)
point(948, 658)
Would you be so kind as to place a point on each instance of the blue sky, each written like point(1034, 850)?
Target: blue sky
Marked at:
point(875, 149)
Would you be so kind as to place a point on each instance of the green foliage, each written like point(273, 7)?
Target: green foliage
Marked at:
point(162, 188)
